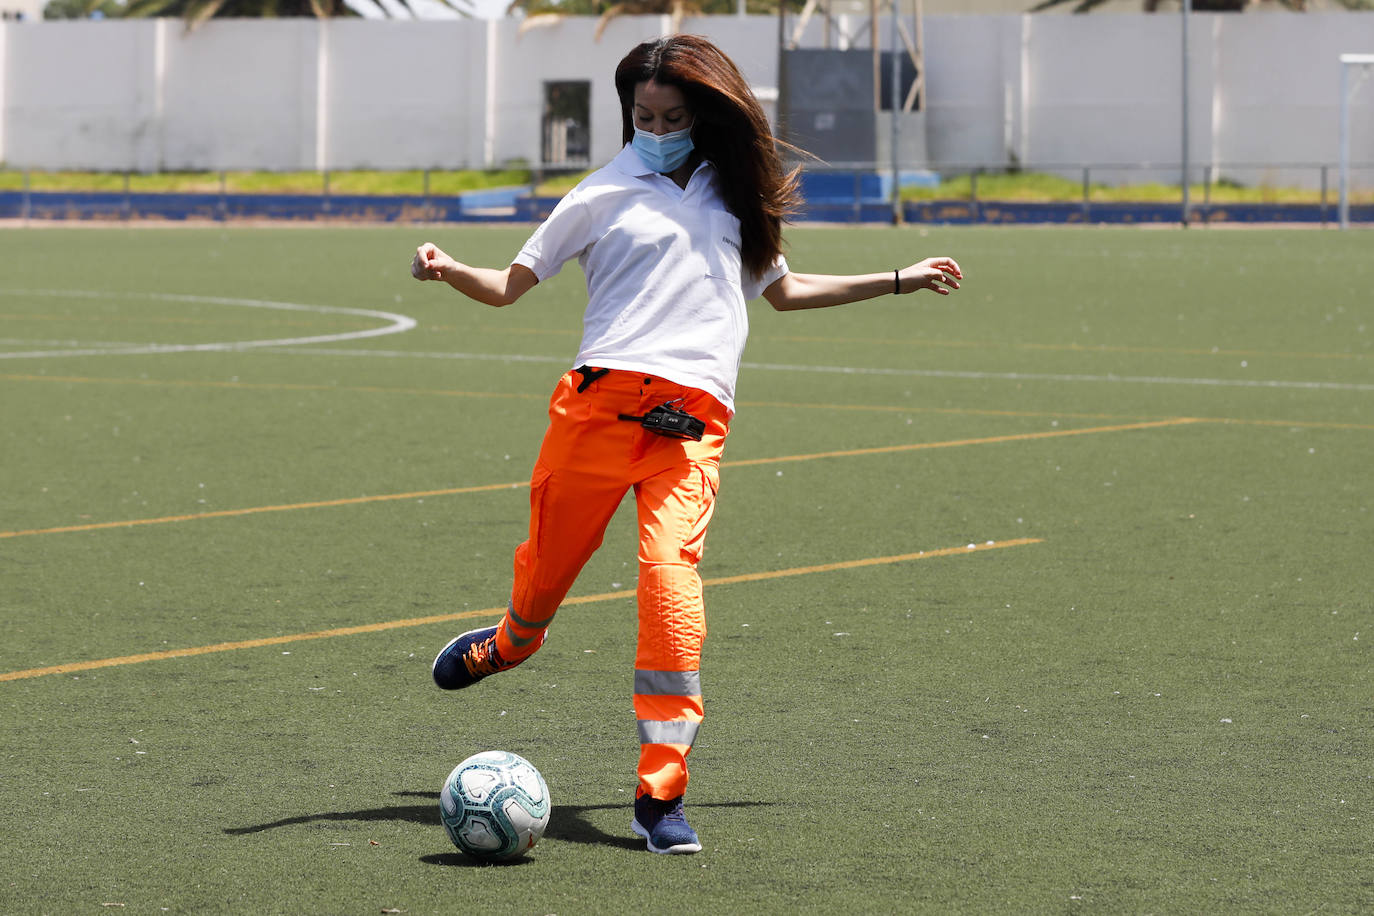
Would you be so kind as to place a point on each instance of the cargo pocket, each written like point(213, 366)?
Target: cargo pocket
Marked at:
point(695, 543)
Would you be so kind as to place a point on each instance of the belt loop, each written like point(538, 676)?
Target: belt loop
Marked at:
point(589, 375)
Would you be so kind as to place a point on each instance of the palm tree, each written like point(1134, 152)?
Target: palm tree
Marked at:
point(546, 12)
point(1204, 6)
point(194, 12)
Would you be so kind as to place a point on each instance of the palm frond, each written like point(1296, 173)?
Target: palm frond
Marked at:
point(199, 12)
point(463, 8)
point(539, 21)
point(676, 10)
point(612, 11)
point(140, 8)
point(1083, 7)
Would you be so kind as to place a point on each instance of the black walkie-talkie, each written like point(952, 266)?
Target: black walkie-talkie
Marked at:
point(667, 420)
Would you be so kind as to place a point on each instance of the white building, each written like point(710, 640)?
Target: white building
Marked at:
point(1031, 90)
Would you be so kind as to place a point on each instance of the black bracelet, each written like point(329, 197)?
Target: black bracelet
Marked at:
point(896, 282)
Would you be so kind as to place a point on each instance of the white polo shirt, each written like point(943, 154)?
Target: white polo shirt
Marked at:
point(665, 285)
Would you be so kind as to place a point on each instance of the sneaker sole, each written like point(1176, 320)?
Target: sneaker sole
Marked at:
point(681, 849)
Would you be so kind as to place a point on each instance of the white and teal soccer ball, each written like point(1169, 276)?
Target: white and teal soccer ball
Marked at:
point(495, 805)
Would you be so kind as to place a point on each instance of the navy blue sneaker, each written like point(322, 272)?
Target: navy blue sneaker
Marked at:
point(469, 658)
point(664, 825)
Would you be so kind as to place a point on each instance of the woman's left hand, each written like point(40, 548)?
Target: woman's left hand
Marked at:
point(940, 275)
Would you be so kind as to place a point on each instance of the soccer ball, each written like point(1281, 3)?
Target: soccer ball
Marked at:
point(494, 805)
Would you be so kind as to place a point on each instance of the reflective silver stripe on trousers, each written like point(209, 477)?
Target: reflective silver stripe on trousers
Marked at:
point(520, 621)
point(667, 683)
point(681, 732)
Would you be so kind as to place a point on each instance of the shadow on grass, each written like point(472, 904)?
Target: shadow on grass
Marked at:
point(569, 823)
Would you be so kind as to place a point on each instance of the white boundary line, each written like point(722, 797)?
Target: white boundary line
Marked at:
point(1057, 377)
point(396, 324)
point(401, 323)
point(859, 370)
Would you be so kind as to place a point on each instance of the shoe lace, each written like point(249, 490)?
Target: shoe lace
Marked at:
point(659, 811)
point(672, 826)
point(482, 658)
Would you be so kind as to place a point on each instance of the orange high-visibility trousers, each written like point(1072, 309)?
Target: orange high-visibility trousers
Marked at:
point(589, 459)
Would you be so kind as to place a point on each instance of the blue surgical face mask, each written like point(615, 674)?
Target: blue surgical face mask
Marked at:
point(663, 153)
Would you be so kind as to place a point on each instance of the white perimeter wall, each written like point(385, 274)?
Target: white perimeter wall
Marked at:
point(1104, 89)
point(302, 94)
point(406, 94)
point(4, 45)
point(568, 50)
point(1257, 118)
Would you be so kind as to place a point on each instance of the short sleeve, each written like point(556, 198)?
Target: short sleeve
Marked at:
point(753, 287)
point(560, 238)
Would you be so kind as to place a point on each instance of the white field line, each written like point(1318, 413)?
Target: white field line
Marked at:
point(1065, 377)
point(401, 323)
point(104, 344)
point(866, 370)
point(395, 324)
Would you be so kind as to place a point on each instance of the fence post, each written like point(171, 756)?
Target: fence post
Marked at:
point(1087, 194)
point(1323, 207)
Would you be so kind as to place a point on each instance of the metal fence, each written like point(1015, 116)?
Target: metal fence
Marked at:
point(1302, 192)
point(832, 192)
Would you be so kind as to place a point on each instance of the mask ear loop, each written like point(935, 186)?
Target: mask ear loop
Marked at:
point(691, 135)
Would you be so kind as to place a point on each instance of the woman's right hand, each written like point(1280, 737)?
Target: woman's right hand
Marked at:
point(430, 262)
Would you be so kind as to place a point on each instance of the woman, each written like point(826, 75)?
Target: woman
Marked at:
point(674, 236)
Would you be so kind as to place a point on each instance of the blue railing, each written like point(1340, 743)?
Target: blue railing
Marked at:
point(831, 194)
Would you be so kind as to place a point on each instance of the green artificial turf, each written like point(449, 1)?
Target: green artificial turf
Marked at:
point(1157, 699)
point(413, 181)
point(1238, 184)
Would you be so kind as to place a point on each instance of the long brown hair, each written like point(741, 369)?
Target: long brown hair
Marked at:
point(728, 128)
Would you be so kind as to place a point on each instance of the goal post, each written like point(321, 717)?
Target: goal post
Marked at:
point(1355, 69)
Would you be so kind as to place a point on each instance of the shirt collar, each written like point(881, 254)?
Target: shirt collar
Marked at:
point(627, 161)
